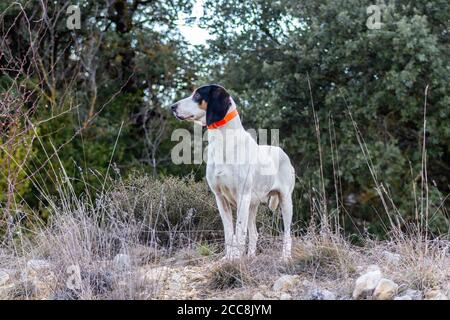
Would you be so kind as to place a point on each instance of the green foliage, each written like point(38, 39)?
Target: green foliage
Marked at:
point(108, 89)
point(379, 76)
point(98, 96)
point(206, 250)
point(12, 161)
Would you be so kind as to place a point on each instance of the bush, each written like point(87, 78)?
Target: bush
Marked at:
point(173, 212)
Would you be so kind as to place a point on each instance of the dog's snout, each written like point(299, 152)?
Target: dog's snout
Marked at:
point(174, 107)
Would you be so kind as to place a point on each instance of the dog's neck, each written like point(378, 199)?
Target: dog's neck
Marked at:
point(234, 124)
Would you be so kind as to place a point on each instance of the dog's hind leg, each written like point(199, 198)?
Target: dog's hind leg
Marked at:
point(286, 211)
point(252, 230)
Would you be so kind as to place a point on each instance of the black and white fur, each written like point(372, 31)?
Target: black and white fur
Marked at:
point(240, 185)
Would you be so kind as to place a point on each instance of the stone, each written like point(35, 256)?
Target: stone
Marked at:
point(258, 296)
point(284, 283)
point(435, 294)
point(385, 290)
point(156, 274)
point(322, 294)
point(122, 261)
point(414, 294)
point(285, 296)
point(177, 282)
point(366, 283)
point(404, 297)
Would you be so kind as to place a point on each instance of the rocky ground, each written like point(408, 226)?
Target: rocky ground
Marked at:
point(311, 277)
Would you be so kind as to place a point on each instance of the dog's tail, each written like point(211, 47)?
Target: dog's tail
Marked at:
point(274, 200)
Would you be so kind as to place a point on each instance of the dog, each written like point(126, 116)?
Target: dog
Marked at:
point(240, 173)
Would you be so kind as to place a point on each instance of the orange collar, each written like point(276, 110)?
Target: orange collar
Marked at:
point(228, 117)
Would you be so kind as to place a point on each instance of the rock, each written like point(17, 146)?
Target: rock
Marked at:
point(122, 261)
point(37, 265)
point(322, 294)
point(435, 294)
point(176, 282)
point(258, 296)
point(366, 283)
point(414, 294)
point(4, 278)
point(156, 274)
point(385, 290)
point(284, 283)
point(285, 296)
point(404, 297)
point(393, 258)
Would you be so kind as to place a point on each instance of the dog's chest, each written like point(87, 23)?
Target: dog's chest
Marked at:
point(221, 176)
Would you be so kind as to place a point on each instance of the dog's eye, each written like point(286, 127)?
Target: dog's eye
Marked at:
point(197, 96)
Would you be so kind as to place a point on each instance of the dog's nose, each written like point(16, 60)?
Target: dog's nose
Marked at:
point(174, 107)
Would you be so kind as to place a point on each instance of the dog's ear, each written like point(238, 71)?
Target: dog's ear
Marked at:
point(219, 102)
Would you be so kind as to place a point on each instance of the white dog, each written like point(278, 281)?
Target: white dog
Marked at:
point(240, 173)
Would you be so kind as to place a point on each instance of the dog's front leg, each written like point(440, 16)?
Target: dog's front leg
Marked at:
point(243, 209)
point(227, 220)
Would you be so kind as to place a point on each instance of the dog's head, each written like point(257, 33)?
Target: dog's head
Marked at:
point(206, 105)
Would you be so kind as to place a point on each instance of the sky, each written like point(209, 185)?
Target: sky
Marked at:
point(192, 32)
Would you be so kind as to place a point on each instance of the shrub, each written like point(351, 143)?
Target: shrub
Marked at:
point(172, 212)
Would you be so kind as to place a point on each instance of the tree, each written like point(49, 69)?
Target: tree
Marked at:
point(270, 49)
point(92, 93)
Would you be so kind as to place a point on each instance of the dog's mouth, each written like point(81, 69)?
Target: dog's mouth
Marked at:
point(182, 118)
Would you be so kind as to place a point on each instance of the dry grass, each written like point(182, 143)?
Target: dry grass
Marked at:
point(324, 257)
point(89, 235)
point(170, 229)
point(229, 275)
point(90, 239)
point(422, 269)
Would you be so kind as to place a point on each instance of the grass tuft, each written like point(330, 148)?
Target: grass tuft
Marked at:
point(229, 275)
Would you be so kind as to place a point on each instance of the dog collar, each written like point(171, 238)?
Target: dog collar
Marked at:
point(228, 117)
